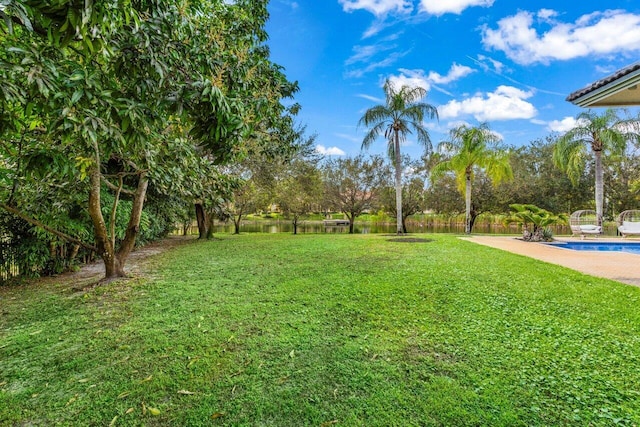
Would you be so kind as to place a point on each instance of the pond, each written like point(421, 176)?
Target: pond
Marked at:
point(413, 226)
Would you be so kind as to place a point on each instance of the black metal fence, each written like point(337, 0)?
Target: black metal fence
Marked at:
point(8, 262)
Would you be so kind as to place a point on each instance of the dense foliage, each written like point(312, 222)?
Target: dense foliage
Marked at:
point(104, 102)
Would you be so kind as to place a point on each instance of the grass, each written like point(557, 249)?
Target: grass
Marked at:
point(323, 330)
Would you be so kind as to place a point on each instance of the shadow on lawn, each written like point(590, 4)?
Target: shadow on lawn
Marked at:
point(409, 240)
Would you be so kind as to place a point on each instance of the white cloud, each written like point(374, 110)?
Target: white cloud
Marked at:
point(378, 7)
point(560, 126)
point(547, 14)
point(292, 4)
point(376, 27)
point(370, 98)
point(411, 78)
point(386, 62)
point(365, 53)
point(563, 125)
point(506, 103)
point(606, 69)
point(349, 137)
point(455, 73)
point(415, 78)
point(458, 123)
point(329, 151)
point(454, 124)
point(599, 33)
point(493, 65)
point(440, 7)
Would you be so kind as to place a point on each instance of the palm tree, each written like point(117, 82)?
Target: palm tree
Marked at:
point(469, 148)
point(401, 113)
point(600, 133)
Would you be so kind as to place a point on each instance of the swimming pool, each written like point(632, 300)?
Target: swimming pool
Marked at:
point(630, 247)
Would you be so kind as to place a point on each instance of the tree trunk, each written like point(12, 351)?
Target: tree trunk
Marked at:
point(201, 218)
point(51, 230)
point(352, 220)
point(467, 201)
point(599, 186)
point(104, 247)
point(72, 253)
point(210, 225)
point(398, 167)
point(295, 225)
point(236, 223)
point(472, 219)
point(133, 228)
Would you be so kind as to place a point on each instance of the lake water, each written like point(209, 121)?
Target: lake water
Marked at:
point(315, 227)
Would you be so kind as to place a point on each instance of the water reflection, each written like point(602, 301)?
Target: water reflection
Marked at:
point(315, 227)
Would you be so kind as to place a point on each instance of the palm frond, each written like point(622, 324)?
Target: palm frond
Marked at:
point(376, 114)
point(373, 134)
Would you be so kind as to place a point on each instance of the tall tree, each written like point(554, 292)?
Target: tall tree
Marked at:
point(600, 134)
point(300, 190)
point(413, 193)
point(245, 200)
point(621, 181)
point(352, 185)
point(125, 91)
point(467, 149)
point(401, 114)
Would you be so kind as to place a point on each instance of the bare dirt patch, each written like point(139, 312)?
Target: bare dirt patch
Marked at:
point(138, 265)
point(409, 240)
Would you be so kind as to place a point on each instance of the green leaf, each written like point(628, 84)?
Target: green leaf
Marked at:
point(76, 96)
point(125, 124)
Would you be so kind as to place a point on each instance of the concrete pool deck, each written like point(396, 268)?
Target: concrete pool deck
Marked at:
point(620, 266)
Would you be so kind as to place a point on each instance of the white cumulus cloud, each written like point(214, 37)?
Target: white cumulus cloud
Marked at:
point(563, 125)
point(455, 73)
point(411, 78)
point(415, 78)
point(598, 33)
point(505, 103)
point(378, 7)
point(440, 7)
point(329, 151)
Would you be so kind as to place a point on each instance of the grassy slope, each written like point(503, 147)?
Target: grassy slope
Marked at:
point(322, 330)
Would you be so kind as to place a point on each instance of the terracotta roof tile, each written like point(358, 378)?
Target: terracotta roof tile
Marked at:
point(603, 82)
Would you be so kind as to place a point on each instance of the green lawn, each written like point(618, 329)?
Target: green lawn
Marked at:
point(323, 330)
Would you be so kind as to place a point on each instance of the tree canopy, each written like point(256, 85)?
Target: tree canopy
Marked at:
point(468, 149)
point(597, 134)
point(118, 96)
point(402, 114)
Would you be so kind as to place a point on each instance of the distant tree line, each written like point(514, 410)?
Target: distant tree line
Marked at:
point(355, 185)
point(119, 120)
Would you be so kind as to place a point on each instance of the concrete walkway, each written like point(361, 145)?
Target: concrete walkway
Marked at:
point(621, 266)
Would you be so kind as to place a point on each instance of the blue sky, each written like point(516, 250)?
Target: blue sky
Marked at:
point(508, 63)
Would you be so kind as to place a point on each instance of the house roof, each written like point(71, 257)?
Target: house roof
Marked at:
point(617, 89)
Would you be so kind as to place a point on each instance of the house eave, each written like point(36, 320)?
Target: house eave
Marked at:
point(613, 94)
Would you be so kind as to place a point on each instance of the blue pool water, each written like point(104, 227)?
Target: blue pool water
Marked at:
point(631, 247)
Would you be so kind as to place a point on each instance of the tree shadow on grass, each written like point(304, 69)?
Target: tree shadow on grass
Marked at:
point(409, 240)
